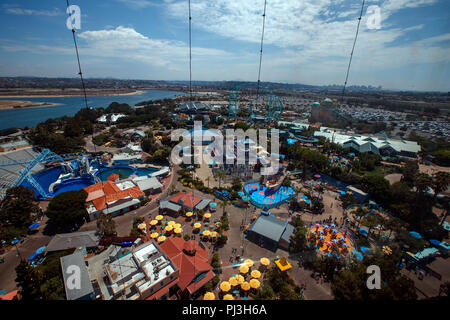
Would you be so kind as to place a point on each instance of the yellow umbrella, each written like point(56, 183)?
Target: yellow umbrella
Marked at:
point(264, 261)
point(142, 226)
point(249, 263)
point(171, 223)
point(240, 279)
point(233, 281)
point(168, 228)
point(197, 225)
point(161, 239)
point(225, 286)
point(154, 235)
point(177, 230)
point(206, 233)
point(245, 286)
point(243, 269)
point(255, 274)
point(228, 297)
point(209, 296)
point(207, 215)
point(255, 284)
point(159, 217)
point(177, 225)
point(189, 214)
point(154, 222)
point(214, 234)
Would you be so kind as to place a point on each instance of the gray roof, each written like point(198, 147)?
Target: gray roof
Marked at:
point(121, 206)
point(269, 227)
point(147, 184)
point(66, 241)
point(203, 204)
point(169, 205)
point(288, 233)
point(85, 288)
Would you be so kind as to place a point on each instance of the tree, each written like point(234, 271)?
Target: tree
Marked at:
point(350, 284)
point(409, 170)
point(299, 237)
point(17, 208)
point(371, 221)
point(208, 179)
point(376, 185)
point(221, 175)
point(28, 281)
point(265, 293)
point(106, 225)
point(441, 181)
point(223, 205)
point(67, 209)
point(237, 184)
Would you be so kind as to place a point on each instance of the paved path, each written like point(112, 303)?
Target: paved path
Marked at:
point(28, 247)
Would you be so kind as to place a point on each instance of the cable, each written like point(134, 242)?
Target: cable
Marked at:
point(261, 50)
point(78, 56)
point(79, 68)
point(353, 49)
point(190, 54)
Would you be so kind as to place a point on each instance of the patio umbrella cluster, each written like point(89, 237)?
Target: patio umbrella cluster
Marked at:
point(160, 229)
point(246, 280)
point(328, 239)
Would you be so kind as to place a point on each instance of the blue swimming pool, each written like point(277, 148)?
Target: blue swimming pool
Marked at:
point(259, 196)
point(45, 178)
point(73, 185)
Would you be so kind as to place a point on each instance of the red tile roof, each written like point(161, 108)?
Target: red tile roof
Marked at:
point(188, 266)
point(110, 193)
point(187, 199)
point(10, 296)
point(113, 177)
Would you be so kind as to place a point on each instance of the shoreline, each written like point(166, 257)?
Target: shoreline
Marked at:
point(72, 95)
point(18, 105)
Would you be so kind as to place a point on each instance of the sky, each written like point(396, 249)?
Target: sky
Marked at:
point(306, 41)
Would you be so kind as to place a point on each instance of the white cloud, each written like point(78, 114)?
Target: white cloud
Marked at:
point(128, 44)
point(138, 4)
point(28, 12)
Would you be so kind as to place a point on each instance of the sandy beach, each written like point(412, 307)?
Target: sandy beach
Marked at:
point(71, 94)
point(12, 104)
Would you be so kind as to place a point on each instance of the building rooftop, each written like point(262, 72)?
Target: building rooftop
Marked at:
point(149, 184)
point(187, 199)
point(66, 241)
point(270, 227)
point(85, 288)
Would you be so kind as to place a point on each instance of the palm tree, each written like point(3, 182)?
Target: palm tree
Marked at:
point(208, 179)
point(441, 181)
point(223, 204)
point(221, 175)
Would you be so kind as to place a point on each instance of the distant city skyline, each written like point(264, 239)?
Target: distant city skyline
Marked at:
point(306, 42)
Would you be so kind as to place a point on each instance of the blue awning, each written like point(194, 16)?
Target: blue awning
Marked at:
point(34, 225)
point(415, 234)
point(363, 231)
point(435, 242)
